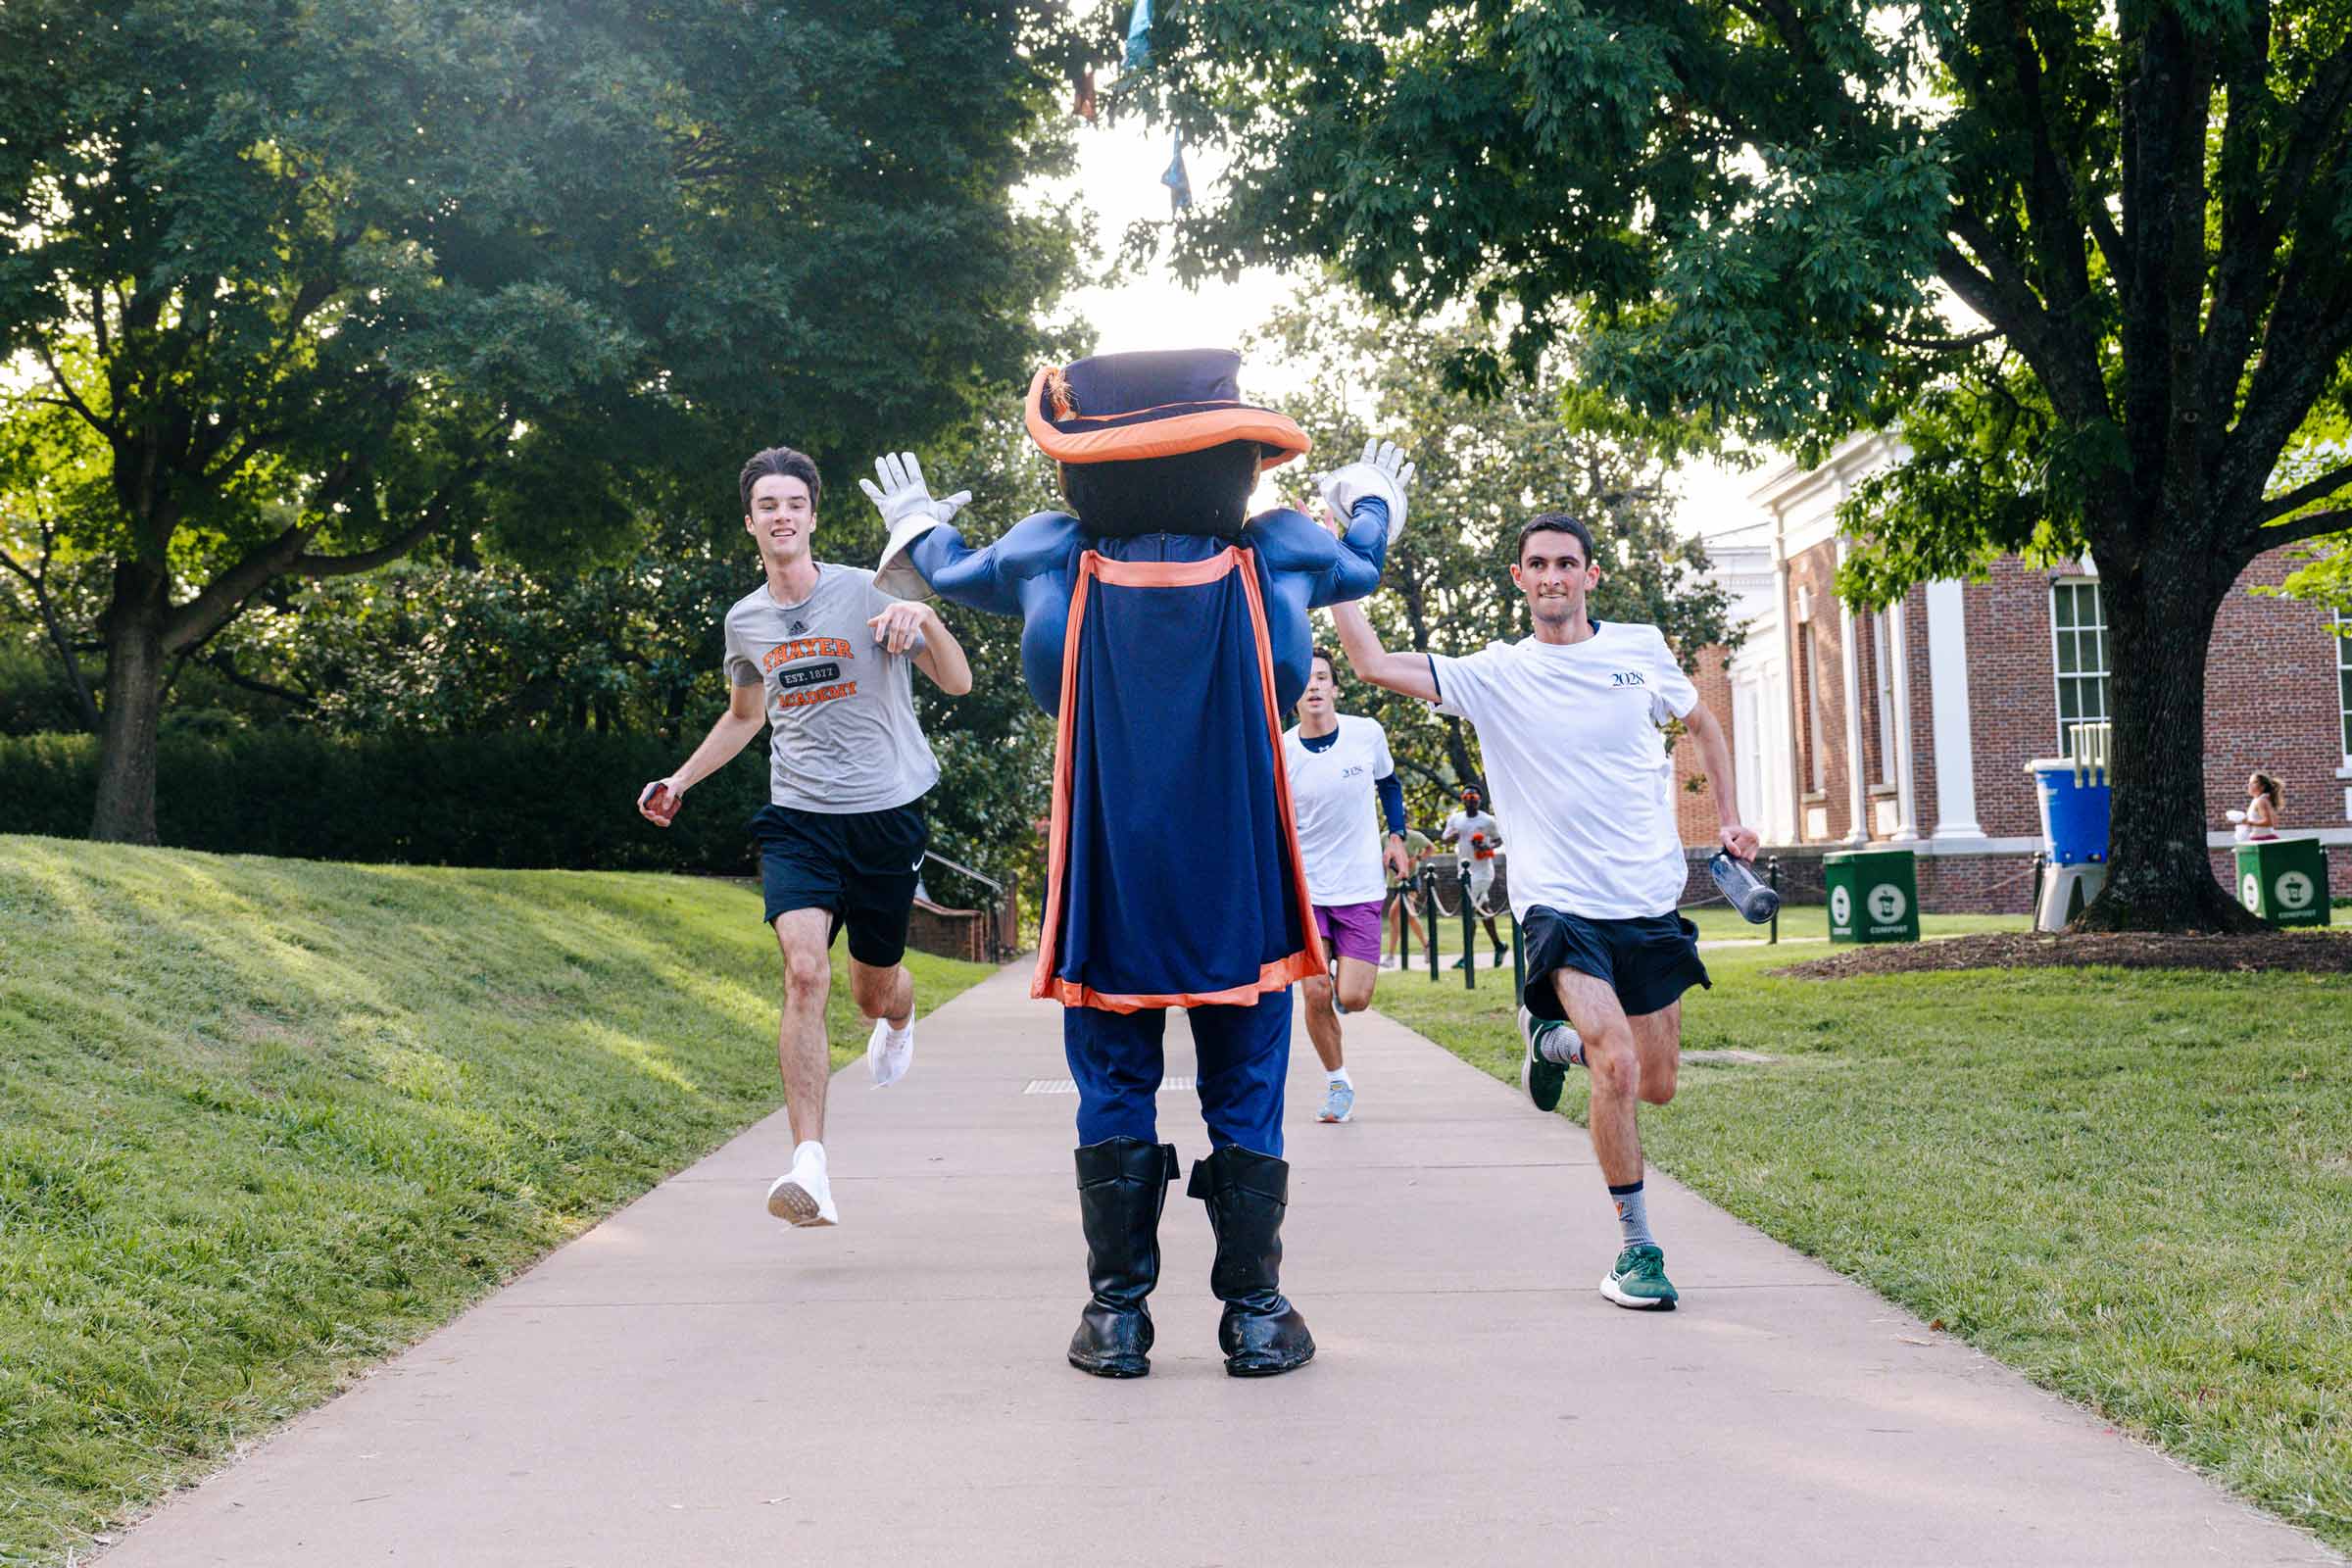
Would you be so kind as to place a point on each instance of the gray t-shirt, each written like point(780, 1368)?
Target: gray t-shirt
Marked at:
point(842, 734)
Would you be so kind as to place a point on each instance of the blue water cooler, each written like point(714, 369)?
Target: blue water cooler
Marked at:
point(2073, 797)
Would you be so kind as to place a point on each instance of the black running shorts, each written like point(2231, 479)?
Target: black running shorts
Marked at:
point(1650, 961)
point(861, 866)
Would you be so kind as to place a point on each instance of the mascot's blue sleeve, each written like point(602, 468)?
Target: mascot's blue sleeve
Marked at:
point(1027, 572)
point(1332, 570)
point(1306, 568)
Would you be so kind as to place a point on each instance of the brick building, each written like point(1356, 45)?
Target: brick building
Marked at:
point(1914, 726)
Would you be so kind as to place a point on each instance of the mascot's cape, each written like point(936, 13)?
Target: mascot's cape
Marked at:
point(1173, 878)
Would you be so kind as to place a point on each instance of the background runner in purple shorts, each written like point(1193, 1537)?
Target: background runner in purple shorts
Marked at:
point(1338, 765)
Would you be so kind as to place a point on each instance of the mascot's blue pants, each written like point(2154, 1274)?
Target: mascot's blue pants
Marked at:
point(1242, 1054)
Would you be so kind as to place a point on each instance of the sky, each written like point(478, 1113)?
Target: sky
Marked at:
point(1118, 175)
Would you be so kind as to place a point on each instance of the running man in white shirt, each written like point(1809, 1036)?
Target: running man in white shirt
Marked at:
point(1475, 836)
point(1336, 763)
point(1569, 720)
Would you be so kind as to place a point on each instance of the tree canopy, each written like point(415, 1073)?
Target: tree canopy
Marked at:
point(311, 287)
point(2093, 257)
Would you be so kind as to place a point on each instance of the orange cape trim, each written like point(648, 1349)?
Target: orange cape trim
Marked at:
point(1309, 961)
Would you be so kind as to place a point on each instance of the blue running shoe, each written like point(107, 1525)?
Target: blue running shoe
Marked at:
point(1339, 1103)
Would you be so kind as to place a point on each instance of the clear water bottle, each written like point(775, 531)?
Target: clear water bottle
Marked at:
point(1750, 895)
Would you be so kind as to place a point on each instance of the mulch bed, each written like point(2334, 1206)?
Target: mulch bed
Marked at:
point(2272, 952)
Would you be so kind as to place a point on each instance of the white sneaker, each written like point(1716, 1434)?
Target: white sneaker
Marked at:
point(887, 1060)
point(803, 1194)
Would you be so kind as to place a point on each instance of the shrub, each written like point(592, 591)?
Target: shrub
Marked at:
point(523, 798)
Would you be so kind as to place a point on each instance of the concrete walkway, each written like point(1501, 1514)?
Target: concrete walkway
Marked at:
point(693, 1383)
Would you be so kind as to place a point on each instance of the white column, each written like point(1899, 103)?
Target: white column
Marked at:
point(1784, 803)
point(1792, 775)
point(1859, 830)
point(1947, 678)
point(1906, 803)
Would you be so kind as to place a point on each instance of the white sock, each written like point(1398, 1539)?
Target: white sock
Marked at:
point(810, 1150)
point(1558, 1043)
point(893, 1035)
point(1338, 1075)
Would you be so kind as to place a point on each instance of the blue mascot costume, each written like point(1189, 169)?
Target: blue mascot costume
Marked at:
point(1166, 631)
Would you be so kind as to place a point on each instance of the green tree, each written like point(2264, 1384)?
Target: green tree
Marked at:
point(1487, 463)
point(1763, 214)
point(335, 282)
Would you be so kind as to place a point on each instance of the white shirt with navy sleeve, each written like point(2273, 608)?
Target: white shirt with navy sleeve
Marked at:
point(1336, 799)
point(1571, 738)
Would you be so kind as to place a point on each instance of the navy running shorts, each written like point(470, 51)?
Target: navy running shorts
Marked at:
point(859, 866)
point(1650, 961)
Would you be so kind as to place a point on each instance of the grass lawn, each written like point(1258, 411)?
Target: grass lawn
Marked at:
point(262, 1121)
point(2136, 1187)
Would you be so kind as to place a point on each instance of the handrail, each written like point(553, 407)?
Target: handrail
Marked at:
point(989, 882)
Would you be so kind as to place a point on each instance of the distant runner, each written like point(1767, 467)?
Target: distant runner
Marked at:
point(1338, 764)
point(1476, 836)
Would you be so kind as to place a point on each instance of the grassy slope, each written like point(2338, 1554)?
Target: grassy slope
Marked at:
point(263, 1120)
point(2136, 1187)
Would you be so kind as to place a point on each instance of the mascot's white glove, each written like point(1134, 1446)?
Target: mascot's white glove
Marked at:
point(1381, 471)
point(909, 512)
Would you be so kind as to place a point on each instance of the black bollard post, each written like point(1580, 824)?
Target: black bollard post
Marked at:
point(1772, 868)
point(1429, 919)
point(1469, 934)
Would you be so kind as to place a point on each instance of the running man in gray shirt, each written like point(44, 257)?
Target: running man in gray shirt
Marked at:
point(822, 659)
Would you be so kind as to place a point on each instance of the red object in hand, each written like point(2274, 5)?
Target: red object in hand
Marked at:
point(658, 803)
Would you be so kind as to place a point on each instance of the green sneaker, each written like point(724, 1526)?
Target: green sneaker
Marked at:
point(1543, 1079)
point(1640, 1281)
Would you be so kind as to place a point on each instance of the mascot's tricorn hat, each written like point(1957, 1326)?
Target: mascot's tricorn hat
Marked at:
point(1117, 407)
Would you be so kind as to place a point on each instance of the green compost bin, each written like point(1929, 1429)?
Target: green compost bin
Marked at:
point(1874, 895)
point(2284, 880)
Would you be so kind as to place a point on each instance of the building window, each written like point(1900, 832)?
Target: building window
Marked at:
point(1882, 662)
point(2343, 679)
point(2078, 625)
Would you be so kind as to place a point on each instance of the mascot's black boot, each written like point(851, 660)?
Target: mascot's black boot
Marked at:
point(1260, 1333)
point(1122, 1185)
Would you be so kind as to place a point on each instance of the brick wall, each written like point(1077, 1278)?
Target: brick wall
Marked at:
point(974, 935)
point(2013, 692)
point(1694, 811)
point(2271, 703)
point(2269, 697)
point(1923, 711)
point(1816, 569)
point(1976, 884)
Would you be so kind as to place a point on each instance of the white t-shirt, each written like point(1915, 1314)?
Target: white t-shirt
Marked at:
point(1462, 826)
point(1570, 737)
point(1332, 793)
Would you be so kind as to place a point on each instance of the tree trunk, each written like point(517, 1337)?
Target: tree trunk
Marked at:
point(134, 700)
point(2160, 616)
